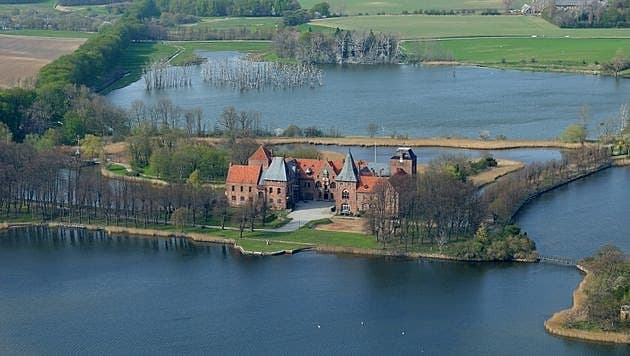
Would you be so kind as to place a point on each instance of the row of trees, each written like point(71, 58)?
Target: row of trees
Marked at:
point(228, 7)
point(591, 13)
point(46, 19)
point(51, 184)
point(339, 47)
point(506, 196)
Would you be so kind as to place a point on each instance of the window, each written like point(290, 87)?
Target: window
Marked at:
point(270, 200)
point(270, 189)
point(232, 188)
point(345, 194)
point(279, 191)
point(250, 189)
point(333, 185)
point(242, 198)
point(318, 184)
point(279, 201)
point(233, 197)
point(345, 208)
point(241, 188)
point(260, 194)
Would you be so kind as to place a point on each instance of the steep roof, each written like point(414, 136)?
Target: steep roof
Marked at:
point(261, 154)
point(315, 165)
point(277, 170)
point(349, 171)
point(368, 183)
point(240, 174)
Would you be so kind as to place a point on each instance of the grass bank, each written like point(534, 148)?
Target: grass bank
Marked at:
point(353, 7)
point(269, 242)
point(536, 54)
point(557, 324)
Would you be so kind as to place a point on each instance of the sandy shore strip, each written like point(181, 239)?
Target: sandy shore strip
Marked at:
point(365, 141)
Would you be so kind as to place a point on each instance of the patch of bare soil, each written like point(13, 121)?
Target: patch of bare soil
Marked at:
point(504, 167)
point(345, 224)
point(21, 57)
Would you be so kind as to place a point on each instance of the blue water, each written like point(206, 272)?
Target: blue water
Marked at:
point(412, 100)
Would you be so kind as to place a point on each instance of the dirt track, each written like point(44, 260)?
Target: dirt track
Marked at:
point(21, 57)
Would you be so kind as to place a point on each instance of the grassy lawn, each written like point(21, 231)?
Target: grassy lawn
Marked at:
point(117, 169)
point(353, 7)
point(49, 33)
point(189, 48)
point(533, 51)
point(422, 27)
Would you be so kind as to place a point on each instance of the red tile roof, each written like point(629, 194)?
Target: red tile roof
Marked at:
point(261, 154)
point(367, 183)
point(239, 174)
point(317, 166)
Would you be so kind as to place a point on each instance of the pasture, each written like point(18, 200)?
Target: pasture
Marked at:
point(542, 51)
point(21, 57)
point(353, 7)
point(426, 27)
point(228, 23)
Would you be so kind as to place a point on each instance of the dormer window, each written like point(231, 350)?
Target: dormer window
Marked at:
point(325, 173)
point(309, 171)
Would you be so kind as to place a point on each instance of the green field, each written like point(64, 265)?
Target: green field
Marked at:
point(353, 7)
point(423, 26)
point(226, 23)
point(42, 5)
point(541, 51)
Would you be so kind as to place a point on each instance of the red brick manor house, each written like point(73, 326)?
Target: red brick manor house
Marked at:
point(282, 182)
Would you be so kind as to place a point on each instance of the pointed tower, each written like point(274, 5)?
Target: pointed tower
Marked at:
point(262, 157)
point(347, 182)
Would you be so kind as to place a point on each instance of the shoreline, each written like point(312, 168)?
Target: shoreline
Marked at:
point(206, 238)
point(555, 324)
point(440, 142)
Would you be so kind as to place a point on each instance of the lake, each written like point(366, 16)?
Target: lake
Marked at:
point(71, 291)
point(418, 101)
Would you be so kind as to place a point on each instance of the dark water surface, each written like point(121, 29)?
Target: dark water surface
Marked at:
point(75, 292)
point(413, 100)
point(577, 219)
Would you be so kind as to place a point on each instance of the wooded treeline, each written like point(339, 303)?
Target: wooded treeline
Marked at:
point(592, 13)
point(228, 7)
point(506, 196)
point(606, 291)
point(338, 47)
point(53, 185)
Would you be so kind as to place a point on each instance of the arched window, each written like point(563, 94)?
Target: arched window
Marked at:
point(345, 208)
point(333, 185)
point(345, 194)
point(270, 190)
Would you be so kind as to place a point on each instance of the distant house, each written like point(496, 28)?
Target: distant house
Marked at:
point(281, 182)
point(569, 4)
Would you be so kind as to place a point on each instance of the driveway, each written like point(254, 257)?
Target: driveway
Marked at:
point(305, 212)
